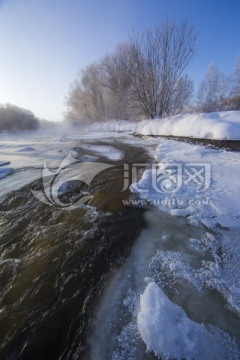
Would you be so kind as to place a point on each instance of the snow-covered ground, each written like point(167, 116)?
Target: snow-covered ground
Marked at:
point(202, 185)
point(194, 181)
point(218, 125)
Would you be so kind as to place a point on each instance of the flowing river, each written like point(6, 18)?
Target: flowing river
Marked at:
point(72, 280)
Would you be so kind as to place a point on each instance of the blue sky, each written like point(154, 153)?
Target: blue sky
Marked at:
point(44, 43)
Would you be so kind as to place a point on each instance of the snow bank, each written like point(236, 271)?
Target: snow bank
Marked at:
point(170, 334)
point(115, 126)
point(218, 125)
point(217, 203)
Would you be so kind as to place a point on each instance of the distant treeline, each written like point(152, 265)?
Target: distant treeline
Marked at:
point(218, 91)
point(14, 118)
point(145, 78)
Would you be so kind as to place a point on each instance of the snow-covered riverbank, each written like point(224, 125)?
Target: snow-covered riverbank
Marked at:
point(218, 125)
point(208, 196)
point(199, 273)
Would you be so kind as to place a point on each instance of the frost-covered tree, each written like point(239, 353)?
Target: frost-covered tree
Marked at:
point(182, 94)
point(142, 78)
point(236, 79)
point(156, 60)
point(232, 102)
point(85, 101)
point(213, 89)
point(117, 82)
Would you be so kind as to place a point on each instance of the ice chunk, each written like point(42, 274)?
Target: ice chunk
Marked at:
point(29, 148)
point(170, 334)
point(5, 172)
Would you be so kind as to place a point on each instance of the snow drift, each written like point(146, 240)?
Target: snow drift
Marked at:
point(217, 125)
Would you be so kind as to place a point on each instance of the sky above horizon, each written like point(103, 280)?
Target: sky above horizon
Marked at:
point(45, 43)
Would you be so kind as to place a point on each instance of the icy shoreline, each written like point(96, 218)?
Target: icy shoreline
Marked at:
point(216, 209)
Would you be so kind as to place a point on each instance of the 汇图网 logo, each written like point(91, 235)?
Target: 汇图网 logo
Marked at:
point(166, 178)
point(169, 178)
